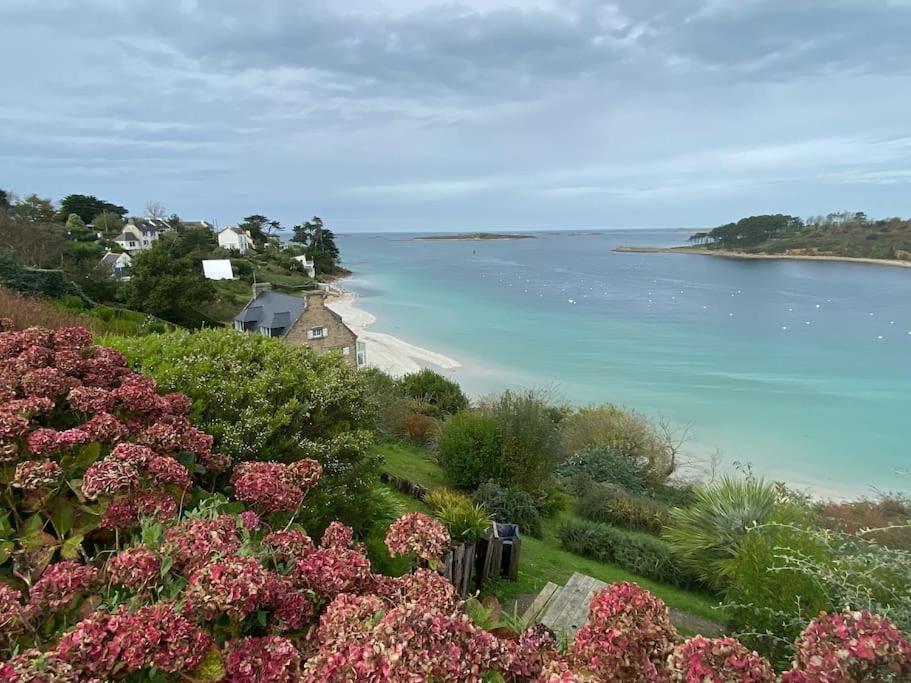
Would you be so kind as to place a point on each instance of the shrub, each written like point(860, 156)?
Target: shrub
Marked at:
point(627, 433)
point(613, 505)
point(607, 464)
point(464, 520)
point(644, 555)
point(469, 449)
point(510, 506)
point(706, 534)
point(419, 429)
point(528, 440)
point(889, 517)
point(432, 388)
point(721, 659)
point(262, 399)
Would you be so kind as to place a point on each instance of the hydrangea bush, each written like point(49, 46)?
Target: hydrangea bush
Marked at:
point(119, 566)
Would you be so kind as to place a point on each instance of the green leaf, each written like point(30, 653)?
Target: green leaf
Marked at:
point(6, 550)
point(71, 547)
point(32, 525)
point(62, 515)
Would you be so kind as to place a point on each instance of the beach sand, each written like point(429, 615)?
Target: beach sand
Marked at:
point(384, 351)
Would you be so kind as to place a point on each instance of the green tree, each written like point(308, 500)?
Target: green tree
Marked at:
point(433, 389)
point(87, 207)
point(167, 287)
point(4, 200)
point(256, 225)
point(320, 244)
point(108, 223)
point(35, 209)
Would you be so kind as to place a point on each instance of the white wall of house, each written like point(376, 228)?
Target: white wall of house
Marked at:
point(230, 239)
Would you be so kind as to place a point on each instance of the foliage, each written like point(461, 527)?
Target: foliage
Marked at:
point(35, 209)
point(528, 438)
point(74, 223)
point(167, 287)
point(643, 555)
point(706, 533)
point(469, 448)
point(512, 506)
point(87, 207)
point(602, 463)
point(786, 572)
point(50, 283)
point(650, 446)
point(262, 399)
point(319, 243)
point(464, 520)
point(432, 388)
point(613, 505)
point(889, 516)
point(836, 234)
point(418, 428)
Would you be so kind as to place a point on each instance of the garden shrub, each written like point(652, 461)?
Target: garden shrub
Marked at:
point(469, 449)
point(706, 533)
point(263, 399)
point(644, 555)
point(627, 433)
point(603, 463)
point(889, 516)
point(528, 440)
point(613, 505)
point(464, 520)
point(418, 429)
point(510, 506)
point(432, 388)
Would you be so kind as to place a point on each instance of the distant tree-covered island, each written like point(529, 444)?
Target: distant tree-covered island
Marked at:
point(836, 236)
point(479, 236)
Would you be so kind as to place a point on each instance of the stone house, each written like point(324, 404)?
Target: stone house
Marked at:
point(302, 321)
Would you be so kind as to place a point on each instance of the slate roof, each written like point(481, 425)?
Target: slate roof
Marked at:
point(271, 310)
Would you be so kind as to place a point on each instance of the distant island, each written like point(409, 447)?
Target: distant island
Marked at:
point(479, 236)
point(843, 236)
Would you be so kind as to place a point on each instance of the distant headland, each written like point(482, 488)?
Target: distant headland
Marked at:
point(850, 237)
point(479, 236)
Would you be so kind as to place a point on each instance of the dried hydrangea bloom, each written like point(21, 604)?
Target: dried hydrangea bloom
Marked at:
point(416, 534)
point(60, 584)
point(330, 571)
point(719, 659)
point(850, 646)
point(109, 477)
point(266, 485)
point(337, 535)
point(37, 475)
point(197, 541)
point(262, 660)
point(288, 546)
point(135, 568)
point(12, 613)
point(235, 586)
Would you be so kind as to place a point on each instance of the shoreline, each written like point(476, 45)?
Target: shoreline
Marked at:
point(385, 352)
point(892, 263)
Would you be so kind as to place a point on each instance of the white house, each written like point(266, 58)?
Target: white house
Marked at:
point(138, 234)
point(116, 265)
point(307, 264)
point(234, 238)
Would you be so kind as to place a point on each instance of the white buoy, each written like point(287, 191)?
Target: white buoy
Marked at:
point(784, 327)
point(818, 306)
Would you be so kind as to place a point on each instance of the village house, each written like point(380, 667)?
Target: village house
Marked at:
point(116, 266)
point(306, 264)
point(235, 238)
point(140, 233)
point(302, 321)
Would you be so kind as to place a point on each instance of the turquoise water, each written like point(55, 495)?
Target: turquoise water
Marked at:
point(802, 369)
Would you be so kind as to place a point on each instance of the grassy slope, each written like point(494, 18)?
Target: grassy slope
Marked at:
point(543, 559)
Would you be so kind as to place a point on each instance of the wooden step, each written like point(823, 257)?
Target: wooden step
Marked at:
point(539, 604)
point(567, 612)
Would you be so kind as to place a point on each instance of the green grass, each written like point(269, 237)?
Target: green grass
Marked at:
point(543, 559)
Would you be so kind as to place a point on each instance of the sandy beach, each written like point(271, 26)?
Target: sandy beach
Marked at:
point(384, 351)
point(895, 263)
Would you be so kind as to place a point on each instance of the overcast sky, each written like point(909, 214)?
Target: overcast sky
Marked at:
point(461, 114)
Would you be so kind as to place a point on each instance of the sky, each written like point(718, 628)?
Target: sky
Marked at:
point(384, 115)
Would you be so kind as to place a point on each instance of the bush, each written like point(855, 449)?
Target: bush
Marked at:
point(510, 506)
point(432, 388)
point(627, 433)
point(706, 534)
point(889, 516)
point(528, 440)
point(643, 555)
point(607, 464)
point(613, 505)
point(418, 428)
point(469, 449)
point(262, 399)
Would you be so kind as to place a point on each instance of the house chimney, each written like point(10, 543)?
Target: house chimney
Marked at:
point(259, 287)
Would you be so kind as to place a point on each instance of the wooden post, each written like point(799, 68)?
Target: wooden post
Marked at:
point(467, 569)
point(513, 573)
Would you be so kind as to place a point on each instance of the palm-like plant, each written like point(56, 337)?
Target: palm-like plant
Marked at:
point(706, 533)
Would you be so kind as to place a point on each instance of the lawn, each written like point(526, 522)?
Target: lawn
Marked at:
point(543, 559)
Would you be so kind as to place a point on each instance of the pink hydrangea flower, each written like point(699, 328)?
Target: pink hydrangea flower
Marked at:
point(418, 535)
point(235, 586)
point(266, 485)
point(72, 338)
point(196, 542)
point(91, 400)
point(12, 614)
point(721, 659)
point(60, 584)
point(262, 660)
point(135, 568)
point(291, 545)
point(47, 382)
point(165, 470)
point(34, 666)
point(337, 535)
point(35, 475)
point(306, 472)
point(106, 428)
point(109, 477)
point(330, 571)
point(42, 441)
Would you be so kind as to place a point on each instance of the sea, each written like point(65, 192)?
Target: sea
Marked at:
point(797, 370)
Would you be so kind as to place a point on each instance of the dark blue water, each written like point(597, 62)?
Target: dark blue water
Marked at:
point(802, 369)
